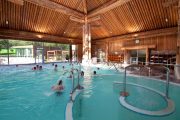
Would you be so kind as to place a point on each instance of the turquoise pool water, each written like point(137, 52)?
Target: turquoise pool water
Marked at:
point(27, 94)
point(100, 99)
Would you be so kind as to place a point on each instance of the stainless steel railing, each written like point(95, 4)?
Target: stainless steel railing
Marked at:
point(149, 68)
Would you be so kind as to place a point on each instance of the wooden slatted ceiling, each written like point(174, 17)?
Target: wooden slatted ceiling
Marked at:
point(73, 4)
point(31, 17)
point(93, 4)
point(73, 29)
point(137, 16)
point(133, 16)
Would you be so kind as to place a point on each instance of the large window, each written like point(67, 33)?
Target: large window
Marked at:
point(21, 52)
point(55, 52)
point(26, 52)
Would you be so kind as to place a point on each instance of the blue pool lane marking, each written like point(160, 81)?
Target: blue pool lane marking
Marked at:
point(168, 110)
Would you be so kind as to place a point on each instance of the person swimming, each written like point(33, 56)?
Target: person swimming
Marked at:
point(37, 66)
point(59, 87)
point(40, 67)
point(56, 67)
point(82, 73)
point(34, 68)
point(63, 67)
point(94, 72)
point(70, 76)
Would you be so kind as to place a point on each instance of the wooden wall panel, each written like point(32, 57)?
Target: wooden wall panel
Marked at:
point(162, 43)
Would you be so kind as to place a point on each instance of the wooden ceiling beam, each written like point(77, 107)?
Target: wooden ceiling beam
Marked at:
point(107, 7)
point(76, 19)
point(170, 3)
point(140, 35)
point(138, 47)
point(93, 19)
point(85, 6)
point(18, 2)
point(32, 36)
point(56, 7)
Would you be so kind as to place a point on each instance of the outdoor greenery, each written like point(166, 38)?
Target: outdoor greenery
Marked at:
point(4, 44)
point(61, 46)
point(67, 57)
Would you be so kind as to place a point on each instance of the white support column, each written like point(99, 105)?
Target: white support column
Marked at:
point(86, 42)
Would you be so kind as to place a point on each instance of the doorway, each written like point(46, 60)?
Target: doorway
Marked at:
point(137, 56)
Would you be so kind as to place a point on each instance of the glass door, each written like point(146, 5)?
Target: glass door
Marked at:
point(39, 55)
point(137, 56)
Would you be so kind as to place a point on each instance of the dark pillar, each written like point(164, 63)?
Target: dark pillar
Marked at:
point(70, 52)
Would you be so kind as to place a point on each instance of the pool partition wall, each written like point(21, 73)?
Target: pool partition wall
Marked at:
point(170, 107)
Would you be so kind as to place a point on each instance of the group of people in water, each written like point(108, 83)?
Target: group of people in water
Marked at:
point(37, 67)
point(59, 87)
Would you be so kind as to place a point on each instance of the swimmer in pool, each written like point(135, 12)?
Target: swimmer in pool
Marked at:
point(40, 67)
point(94, 72)
point(59, 87)
point(82, 73)
point(34, 68)
point(56, 67)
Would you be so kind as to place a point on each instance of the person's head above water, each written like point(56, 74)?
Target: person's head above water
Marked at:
point(82, 73)
point(60, 82)
point(40, 67)
point(37, 66)
point(34, 68)
point(94, 72)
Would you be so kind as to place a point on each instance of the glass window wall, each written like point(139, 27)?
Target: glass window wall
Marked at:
point(27, 52)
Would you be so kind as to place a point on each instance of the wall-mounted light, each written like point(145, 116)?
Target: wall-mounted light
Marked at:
point(115, 53)
point(166, 20)
point(39, 36)
point(7, 22)
point(137, 41)
point(135, 35)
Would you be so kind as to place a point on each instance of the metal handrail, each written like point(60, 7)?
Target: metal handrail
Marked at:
point(72, 71)
point(148, 66)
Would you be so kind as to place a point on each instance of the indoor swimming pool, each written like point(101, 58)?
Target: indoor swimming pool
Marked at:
point(27, 95)
point(100, 98)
